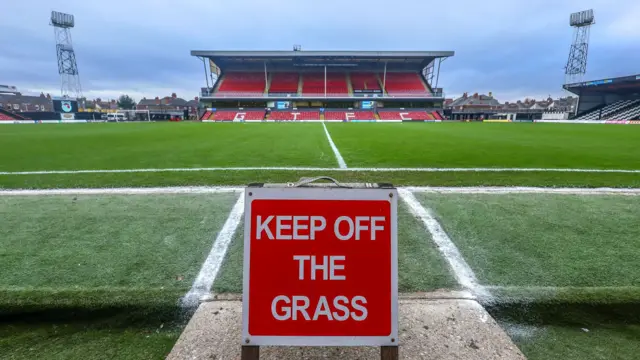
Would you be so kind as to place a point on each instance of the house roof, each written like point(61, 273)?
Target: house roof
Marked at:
point(24, 99)
point(167, 100)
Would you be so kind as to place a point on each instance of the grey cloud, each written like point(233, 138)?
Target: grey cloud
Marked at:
point(501, 45)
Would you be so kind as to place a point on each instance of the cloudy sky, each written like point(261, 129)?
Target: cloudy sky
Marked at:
point(514, 48)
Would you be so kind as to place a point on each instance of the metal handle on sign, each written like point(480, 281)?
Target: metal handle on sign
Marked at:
point(306, 181)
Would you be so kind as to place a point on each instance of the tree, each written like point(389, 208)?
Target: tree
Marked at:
point(126, 103)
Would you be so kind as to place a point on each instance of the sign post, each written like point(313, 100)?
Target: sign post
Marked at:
point(320, 267)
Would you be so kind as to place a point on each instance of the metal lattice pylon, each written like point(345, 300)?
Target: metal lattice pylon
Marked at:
point(576, 66)
point(67, 66)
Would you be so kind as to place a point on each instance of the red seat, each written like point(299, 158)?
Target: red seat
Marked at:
point(238, 115)
point(405, 84)
point(295, 115)
point(284, 83)
point(364, 81)
point(242, 83)
point(404, 115)
point(5, 117)
point(313, 84)
point(206, 115)
point(349, 115)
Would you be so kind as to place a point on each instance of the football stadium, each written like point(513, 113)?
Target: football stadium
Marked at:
point(516, 239)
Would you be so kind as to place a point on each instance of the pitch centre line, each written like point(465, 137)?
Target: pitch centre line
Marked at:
point(461, 270)
point(336, 152)
point(211, 266)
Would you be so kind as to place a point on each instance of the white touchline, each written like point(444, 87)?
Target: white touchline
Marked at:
point(336, 152)
point(555, 289)
point(235, 189)
point(124, 191)
point(461, 270)
point(523, 190)
point(209, 270)
point(293, 168)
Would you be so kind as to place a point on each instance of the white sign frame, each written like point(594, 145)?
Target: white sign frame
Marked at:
point(271, 193)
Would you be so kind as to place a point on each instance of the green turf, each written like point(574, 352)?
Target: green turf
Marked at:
point(64, 341)
point(572, 331)
point(235, 178)
point(100, 277)
point(420, 267)
point(162, 145)
point(190, 145)
point(609, 342)
point(544, 240)
point(568, 263)
point(523, 145)
point(108, 240)
point(109, 333)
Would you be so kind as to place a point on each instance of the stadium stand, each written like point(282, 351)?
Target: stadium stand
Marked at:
point(8, 115)
point(404, 115)
point(300, 85)
point(242, 84)
point(295, 115)
point(632, 113)
point(364, 81)
point(230, 115)
point(610, 110)
point(206, 115)
point(348, 115)
point(405, 84)
point(284, 83)
point(313, 84)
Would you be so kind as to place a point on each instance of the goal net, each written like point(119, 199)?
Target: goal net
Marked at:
point(133, 115)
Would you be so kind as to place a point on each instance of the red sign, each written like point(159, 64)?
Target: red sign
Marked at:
point(320, 267)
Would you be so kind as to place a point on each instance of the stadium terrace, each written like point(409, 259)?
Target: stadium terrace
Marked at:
point(321, 85)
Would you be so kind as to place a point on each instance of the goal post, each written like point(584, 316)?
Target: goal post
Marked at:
point(133, 115)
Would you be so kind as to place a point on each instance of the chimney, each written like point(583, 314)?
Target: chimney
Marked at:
point(490, 94)
point(475, 95)
point(196, 98)
point(173, 95)
point(464, 95)
point(48, 96)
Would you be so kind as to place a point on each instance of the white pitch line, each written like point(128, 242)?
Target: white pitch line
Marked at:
point(461, 270)
point(124, 191)
point(539, 289)
point(336, 152)
point(523, 190)
point(235, 189)
point(209, 270)
point(338, 156)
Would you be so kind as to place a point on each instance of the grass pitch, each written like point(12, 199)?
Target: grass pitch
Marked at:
point(110, 146)
point(100, 277)
point(513, 145)
point(542, 240)
point(566, 267)
point(162, 145)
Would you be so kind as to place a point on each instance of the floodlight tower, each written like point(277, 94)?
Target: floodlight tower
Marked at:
point(67, 67)
point(577, 64)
